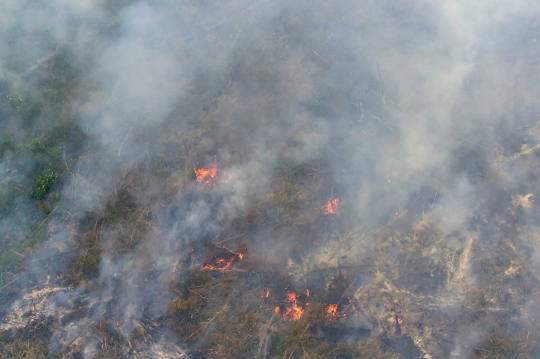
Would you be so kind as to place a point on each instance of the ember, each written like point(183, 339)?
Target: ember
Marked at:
point(331, 206)
point(352, 305)
point(206, 175)
point(331, 310)
point(229, 178)
point(390, 176)
point(399, 321)
point(209, 352)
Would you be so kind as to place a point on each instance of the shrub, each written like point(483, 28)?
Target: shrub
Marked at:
point(44, 183)
point(36, 146)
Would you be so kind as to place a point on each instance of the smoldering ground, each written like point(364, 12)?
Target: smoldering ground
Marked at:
point(420, 117)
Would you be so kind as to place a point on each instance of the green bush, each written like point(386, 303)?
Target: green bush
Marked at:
point(36, 146)
point(44, 183)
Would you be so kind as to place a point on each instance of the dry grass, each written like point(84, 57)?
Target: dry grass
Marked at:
point(502, 345)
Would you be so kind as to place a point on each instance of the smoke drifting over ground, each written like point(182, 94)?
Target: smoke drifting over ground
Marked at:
point(183, 178)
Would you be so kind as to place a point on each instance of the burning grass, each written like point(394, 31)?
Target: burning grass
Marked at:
point(331, 207)
point(223, 264)
point(210, 176)
point(206, 175)
point(250, 313)
point(332, 310)
point(293, 307)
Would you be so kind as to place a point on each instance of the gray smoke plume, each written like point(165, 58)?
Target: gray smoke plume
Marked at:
point(421, 116)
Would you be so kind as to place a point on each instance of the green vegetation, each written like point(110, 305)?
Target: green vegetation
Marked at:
point(16, 101)
point(32, 344)
point(24, 349)
point(44, 184)
point(36, 146)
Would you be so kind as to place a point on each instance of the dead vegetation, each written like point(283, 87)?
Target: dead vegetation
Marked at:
point(500, 345)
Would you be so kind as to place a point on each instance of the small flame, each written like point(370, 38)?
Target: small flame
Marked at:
point(399, 321)
point(206, 175)
point(331, 206)
point(174, 269)
point(293, 310)
point(267, 292)
point(331, 310)
point(222, 264)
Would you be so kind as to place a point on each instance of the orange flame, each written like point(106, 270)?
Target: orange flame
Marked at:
point(267, 292)
point(206, 175)
point(293, 311)
point(222, 264)
point(399, 321)
point(331, 310)
point(331, 206)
